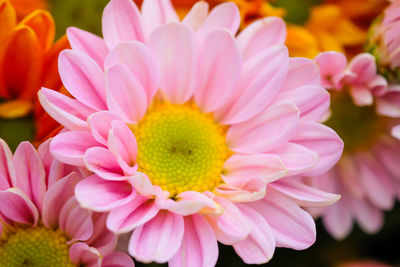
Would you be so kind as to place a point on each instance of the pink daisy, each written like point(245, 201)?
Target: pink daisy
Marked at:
point(189, 130)
point(368, 175)
point(41, 223)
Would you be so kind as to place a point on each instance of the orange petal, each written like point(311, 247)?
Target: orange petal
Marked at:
point(24, 7)
point(21, 64)
point(15, 109)
point(301, 42)
point(7, 20)
point(42, 23)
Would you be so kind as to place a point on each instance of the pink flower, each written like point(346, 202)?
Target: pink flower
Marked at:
point(367, 176)
point(189, 130)
point(41, 223)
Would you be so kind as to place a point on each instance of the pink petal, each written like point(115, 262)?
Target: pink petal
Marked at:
point(117, 259)
point(231, 226)
point(292, 226)
point(141, 62)
point(174, 46)
point(361, 96)
point(363, 65)
point(88, 43)
point(312, 100)
point(296, 158)
point(396, 131)
point(70, 147)
point(103, 163)
point(301, 72)
point(322, 140)
point(113, 193)
point(223, 16)
point(252, 189)
point(388, 105)
point(100, 124)
point(199, 246)
point(75, 221)
point(268, 130)
point(260, 35)
point(102, 239)
point(121, 21)
point(337, 219)
point(303, 194)
point(261, 80)
point(68, 112)
point(259, 246)
point(83, 78)
point(7, 172)
point(220, 66)
point(331, 65)
point(196, 16)
point(369, 217)
point(135, 213)
point(122, 143)
point(190, 202)
point(238, 167)
point(56, 197)
point(156, 13)
point(16, 206)
point(159, 239)
point(83, 255)
point(30, 174)
point(125, 94)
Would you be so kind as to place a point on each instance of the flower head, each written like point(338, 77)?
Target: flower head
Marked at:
point(41, 223)
point(364, 110)
point(28, 59)
point(184, 125)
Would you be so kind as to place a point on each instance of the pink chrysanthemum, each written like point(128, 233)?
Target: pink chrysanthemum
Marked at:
point(188, 130)
point(368, 175)
point(41, 223)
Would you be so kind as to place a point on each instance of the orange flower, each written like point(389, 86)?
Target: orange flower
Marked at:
point(28, 60)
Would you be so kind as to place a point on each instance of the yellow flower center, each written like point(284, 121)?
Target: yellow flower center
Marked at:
point(180, 148)
point(34, 247)
point(359, 127)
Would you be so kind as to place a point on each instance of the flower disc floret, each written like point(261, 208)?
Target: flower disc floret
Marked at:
point(35, 247)
point(180, 148)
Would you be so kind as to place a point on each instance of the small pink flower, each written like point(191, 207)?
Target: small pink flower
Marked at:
point(364, 112)
point(188, 131)
point(41, 223)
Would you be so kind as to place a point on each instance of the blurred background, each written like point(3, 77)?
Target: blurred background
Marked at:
point(383, 246)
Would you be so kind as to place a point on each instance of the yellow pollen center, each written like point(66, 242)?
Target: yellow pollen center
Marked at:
point(180, 148)
point(34, 247)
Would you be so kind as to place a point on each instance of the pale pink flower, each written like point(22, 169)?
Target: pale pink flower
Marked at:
point(368, 174)
point(189, 131)
point(41, 223)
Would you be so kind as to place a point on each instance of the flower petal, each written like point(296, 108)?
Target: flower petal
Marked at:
point(70, 147)
point(103, 163)
point(121, 21)
point(117, 259)
point(196, 16)
point(100, 125)
point(125, 94)
point(30, 174)
point(7, 171)
point(159, 239)
point(268, 130)
point(259, 246)
point(156, 13)
point(260, 35)
point(220, 65)
point(135, 213)
point(88, 43)
point(83, 78)
point(113, 193)
point(199, 246)
point(174, 46)
point(16, 206)
point(292, 227)
point(141, 62)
